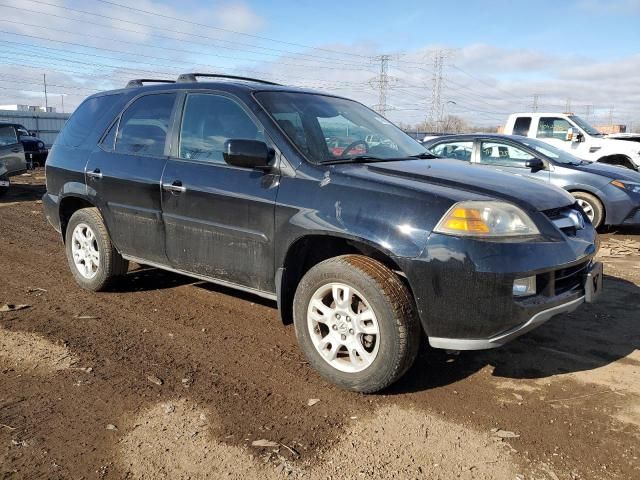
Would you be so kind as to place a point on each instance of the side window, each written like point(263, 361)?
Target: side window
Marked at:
point(109, 139)
point(209, 121)
point(550, 127)
point(521, 126)
point(144, 125)
point(494, 153)
point(8, 136)
point(89, 116)
point(457, 150)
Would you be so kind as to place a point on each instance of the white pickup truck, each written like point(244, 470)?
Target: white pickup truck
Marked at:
point(571, 133)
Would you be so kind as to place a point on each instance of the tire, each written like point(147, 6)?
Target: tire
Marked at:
point(378, 301)
point(591, 206)
point(99, 262)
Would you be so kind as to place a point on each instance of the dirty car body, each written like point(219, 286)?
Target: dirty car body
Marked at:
point(12, 158)
point(263, 229)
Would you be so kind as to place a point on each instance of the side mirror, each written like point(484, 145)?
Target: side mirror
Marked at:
point(574, 135)
point(247, 154)
point(535, 164)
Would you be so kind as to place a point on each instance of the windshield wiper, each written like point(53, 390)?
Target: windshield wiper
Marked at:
point(424, 155)
point(356, 159)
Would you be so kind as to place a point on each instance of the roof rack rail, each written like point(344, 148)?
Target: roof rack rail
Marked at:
point(139, 82)
point(193, 77)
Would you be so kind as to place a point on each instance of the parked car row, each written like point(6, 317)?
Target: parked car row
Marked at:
point(609, 195)
point(366, 246)
point(12, 158)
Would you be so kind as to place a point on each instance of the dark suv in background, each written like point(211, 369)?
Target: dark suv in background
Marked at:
point(35, 149)
point(232, 181)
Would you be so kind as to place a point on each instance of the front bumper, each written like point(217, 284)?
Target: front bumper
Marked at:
point(464, 288)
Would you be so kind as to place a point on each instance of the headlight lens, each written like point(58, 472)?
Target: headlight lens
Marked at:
point(628, 186)
point(40, 145)
point(486, 219)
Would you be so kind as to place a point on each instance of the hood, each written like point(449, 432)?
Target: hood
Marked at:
point(463, 177)
point(30, 139)
point(610, 171)
point(630, 137)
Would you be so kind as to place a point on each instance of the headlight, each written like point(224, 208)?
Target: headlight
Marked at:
point(486, 219)
point(628, 186)
point(40, 145)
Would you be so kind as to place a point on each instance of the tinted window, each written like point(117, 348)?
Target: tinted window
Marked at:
point(8, 136)
point(91, 115)
point(553, 128)
point(521, 126)
point(208, 122)
point(110, 138)
point(144, 125)
point(496, 153)
point(457, 150)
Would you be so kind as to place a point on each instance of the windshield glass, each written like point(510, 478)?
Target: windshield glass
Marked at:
point(326, 128)
point(583, 124)
point(550, 151)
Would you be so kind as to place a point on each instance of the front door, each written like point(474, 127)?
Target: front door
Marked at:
point(507, 158)
point(12, 158)
point(219, 219)
point(123, 176)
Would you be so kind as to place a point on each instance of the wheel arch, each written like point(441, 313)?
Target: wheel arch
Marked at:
point(618, 159)
point(68, 206)
point(309, 250)
point(595, 193)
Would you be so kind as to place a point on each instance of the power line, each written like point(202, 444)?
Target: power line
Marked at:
point(382, 82)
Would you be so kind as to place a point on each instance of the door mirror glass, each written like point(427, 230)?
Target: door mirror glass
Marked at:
point(535, 164)
point(574, 135)
point(247, 154)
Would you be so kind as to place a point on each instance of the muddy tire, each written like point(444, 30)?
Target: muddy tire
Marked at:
point(93, 260)
point(591, 206)
point(356, 323)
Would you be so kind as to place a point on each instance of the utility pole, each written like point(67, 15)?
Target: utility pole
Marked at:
point(589, 109)
point(382, 82)
point(62, 97)
point(46, 101)
point(536, 97)
point(611, 115)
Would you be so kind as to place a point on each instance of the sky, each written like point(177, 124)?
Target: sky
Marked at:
point(497, 54)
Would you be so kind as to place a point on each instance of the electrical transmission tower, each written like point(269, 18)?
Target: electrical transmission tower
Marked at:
point(435, 114)
point(382, 83)
point(536, 97)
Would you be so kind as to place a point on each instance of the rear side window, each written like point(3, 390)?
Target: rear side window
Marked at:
point(8, 136)
point(144, 125)
point(90, 116)
point(521, 126)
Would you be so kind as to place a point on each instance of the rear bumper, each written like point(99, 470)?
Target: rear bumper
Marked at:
point(50, 208)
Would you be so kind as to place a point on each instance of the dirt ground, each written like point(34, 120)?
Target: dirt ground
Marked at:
point(166, 377)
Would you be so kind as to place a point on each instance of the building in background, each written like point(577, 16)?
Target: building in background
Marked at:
point(615, 128)
point(27, 108)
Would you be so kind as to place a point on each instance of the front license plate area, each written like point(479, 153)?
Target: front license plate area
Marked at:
point(593, 283)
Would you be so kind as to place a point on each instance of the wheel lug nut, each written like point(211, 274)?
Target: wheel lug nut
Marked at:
point(338, 316)
point(348, 319)
point(351, 331)
point(344, 337)
point(335, 327)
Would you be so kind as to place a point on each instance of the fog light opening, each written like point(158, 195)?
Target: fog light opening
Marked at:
point(524, 287)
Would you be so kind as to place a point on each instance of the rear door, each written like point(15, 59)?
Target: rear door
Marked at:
point(506, 157)
point(123, 176)
point(219, 219)
point(12, 158)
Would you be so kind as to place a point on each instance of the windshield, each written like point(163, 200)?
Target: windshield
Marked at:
point(329, 129)
point(583, 124)
point(550, 151)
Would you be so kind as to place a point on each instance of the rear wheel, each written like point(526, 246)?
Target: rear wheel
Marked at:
point(356, 323)
point(591, 206)
point(92, 258)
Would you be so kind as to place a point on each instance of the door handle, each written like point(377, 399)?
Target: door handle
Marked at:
point(175, 187)
point(95, 174)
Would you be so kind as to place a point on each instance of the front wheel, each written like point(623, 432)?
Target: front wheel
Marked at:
point(356, 323)
point(92, 258)
point(591, 206)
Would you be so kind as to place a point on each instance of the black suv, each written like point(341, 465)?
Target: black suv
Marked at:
point(231, 180)
point(35, 149)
